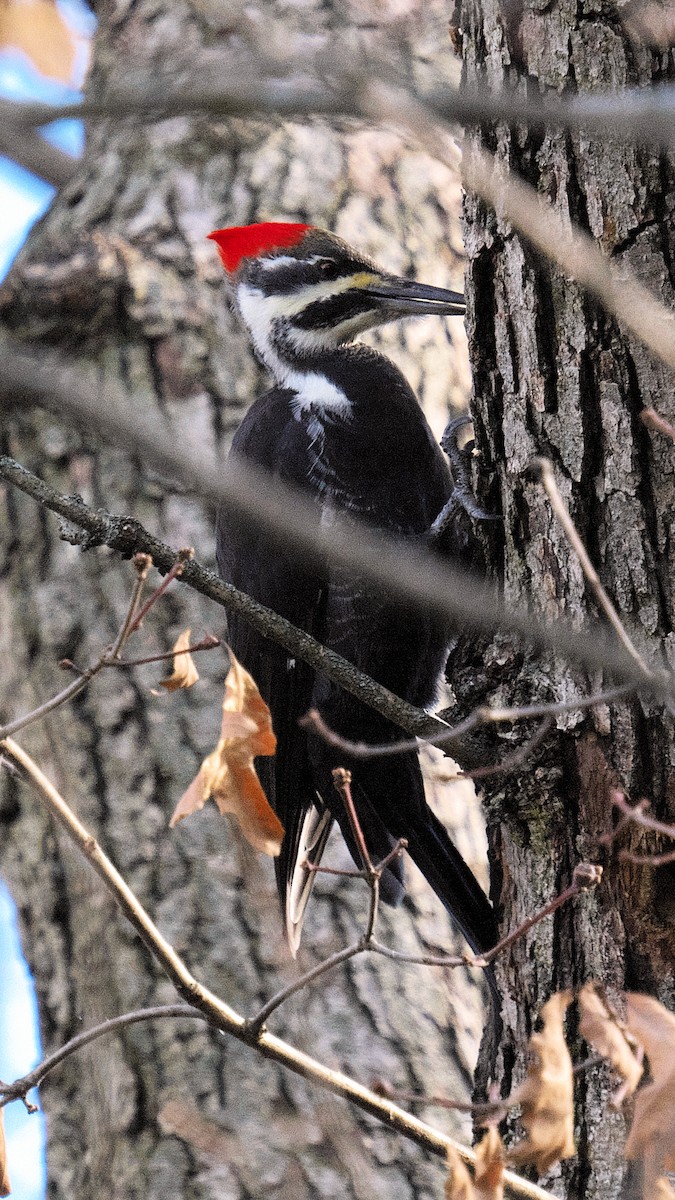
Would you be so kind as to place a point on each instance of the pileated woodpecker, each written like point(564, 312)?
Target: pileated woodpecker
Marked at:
point(341, 423)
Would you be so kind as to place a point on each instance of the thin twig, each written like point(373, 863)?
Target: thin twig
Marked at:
point(586, 875)
point(405, 570)
point(480, 1109)
point(638, 815)
point(126, 536)
point(516, 758)
point(142, 565)
point(371, 873)
point(175, 572)
point(645, 114)
point(342, 781)
point(544, 470)
point(653, 420)
point(483, 1108)
point(648, 860)
point(480, 716)
point(110, 656)
point(207, 643)
point(224, 1017)
point(20, 1087)
point(257, 1023)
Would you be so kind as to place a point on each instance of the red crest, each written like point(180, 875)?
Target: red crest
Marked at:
point(247, 241)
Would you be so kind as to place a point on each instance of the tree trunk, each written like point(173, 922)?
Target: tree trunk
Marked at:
point(119, 273)
point(555, 376)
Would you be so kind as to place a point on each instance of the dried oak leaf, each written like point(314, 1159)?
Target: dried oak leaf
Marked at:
point(604, 1033)
point(5, 1185)
point(652, 1135)
point(459, 1184)
point(228, 773)
point(547, 1093)
point(184, 672)
point(489, 1172)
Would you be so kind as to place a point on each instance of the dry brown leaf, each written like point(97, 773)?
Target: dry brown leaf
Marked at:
point(184, 672)
point(652, 1135)
point(489, 1177)
point(547, 1094)
point(663, 1190)
point(459, 1184)
point(603, 1032)
point(229, 775)
point(5, 1185)
point(38, 28)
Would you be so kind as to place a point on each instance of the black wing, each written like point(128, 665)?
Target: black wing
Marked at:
point(394, 475)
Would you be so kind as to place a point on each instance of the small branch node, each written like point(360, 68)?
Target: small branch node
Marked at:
point(586, 875)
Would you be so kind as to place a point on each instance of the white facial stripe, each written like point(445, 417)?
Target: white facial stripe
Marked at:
point(286, 260)
point(311, 388)
point(295, 302)
point(281, 260)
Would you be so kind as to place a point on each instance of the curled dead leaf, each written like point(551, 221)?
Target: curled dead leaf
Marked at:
point(459, 1184)
point(606, 1034)
point(489, 1176)
point(652, 1134)
point(228, 774)
point(5, 1185)
point(184, 672)
point(547, 1093)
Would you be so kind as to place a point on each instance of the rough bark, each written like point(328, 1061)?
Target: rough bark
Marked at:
point(120, 274)
point(553, 375)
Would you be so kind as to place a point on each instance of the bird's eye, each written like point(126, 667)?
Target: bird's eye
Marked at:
point(328, 268)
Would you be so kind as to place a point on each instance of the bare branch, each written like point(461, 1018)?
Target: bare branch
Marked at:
point(638, 814)
point(110, 656)
point(573, 251)
point(32, 151)
point(129, 537)
point(207, 643)
point(544, 469)
point(220, 1014)
point(653, 420)
point(480, 716)
point(404, 570)
point(371, 873)
point(643, 114)
point(19, 1089)
point(586, 875)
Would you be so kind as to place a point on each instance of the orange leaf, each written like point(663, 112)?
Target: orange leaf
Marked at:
point(38, 28)
point(489, 1177)
point(459, 1184)
point(652, 1135)
point(184, 672)
point(228, 774)
point(605, 1034)
point(5, 1185)
point(547, 1094)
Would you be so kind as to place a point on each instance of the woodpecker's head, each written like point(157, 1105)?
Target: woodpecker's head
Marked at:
point(302, 291)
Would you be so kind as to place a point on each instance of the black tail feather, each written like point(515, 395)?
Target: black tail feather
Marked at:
point(390, 803)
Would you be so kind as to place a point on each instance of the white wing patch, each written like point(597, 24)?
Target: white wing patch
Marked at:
point(314, 834)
